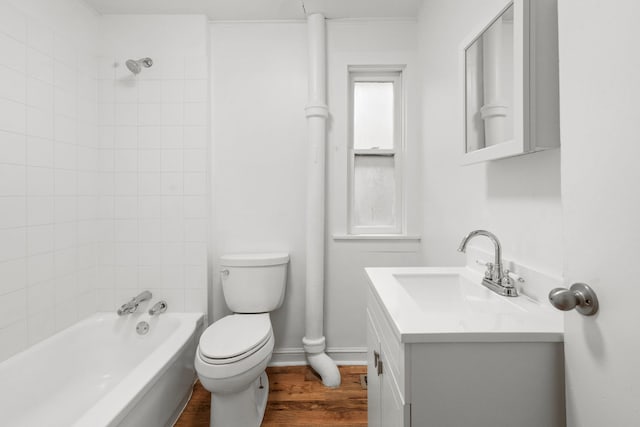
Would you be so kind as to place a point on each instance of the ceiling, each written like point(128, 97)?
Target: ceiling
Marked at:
point(263, 9)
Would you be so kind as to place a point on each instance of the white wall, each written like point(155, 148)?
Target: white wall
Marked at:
point(363, 42)
point(517, 198)
point(259, 91)
point(154, 160)
point(48, 166)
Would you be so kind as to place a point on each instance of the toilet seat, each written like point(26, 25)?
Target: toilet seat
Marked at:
point(234, 338)
point(244, 353)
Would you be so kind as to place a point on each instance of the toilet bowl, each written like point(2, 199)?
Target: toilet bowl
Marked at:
point(232, 355)
point(234, 351)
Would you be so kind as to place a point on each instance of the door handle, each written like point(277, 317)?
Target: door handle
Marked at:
point(580, 296)
point(376, 358)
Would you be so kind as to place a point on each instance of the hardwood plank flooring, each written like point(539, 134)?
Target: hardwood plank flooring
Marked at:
point(296, 398)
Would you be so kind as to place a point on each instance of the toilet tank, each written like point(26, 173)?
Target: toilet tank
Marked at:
point(254, 283)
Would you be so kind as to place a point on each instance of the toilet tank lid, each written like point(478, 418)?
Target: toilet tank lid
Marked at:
point(254, 260)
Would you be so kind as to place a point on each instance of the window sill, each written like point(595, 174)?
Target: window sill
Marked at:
point(399, 237)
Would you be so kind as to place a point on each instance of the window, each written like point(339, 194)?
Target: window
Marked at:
point(375, 162)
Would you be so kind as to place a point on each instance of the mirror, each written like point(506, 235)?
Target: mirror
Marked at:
point(489, 85)
point(509, 82)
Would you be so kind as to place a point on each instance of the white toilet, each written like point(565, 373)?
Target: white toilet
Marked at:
point(234, 351)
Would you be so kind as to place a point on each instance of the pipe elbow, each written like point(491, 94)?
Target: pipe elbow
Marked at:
point(326, 368)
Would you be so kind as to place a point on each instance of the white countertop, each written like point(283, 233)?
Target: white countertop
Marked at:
point(434, 304)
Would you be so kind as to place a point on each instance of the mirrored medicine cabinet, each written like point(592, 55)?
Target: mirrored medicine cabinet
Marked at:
point(509, 81)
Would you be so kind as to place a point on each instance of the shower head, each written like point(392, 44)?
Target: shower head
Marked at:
point(135, 66)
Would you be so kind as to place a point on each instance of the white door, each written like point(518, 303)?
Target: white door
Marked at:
point(600, 130)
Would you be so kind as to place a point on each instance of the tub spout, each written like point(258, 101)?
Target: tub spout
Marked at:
point(132, 305)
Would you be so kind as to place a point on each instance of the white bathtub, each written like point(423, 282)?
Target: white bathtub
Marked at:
point(100, 372)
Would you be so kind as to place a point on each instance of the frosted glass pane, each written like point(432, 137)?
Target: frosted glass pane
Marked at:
point(374, 191)
point(373, 115)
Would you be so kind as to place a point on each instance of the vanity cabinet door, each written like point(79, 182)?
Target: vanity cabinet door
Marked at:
point(373, 379)
point(385, 406)
point(392, 409)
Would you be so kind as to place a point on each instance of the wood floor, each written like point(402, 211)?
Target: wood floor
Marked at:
point(297, 398)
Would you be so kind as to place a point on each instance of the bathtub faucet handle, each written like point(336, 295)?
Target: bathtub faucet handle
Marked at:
point(159, 307)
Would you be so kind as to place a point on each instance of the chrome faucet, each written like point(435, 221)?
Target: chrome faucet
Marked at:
point(495, 278)
point(132, 305)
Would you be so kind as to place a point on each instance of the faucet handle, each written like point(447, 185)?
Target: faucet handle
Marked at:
point(159, 307)
point(515, 276)
point(506, 279)
point(489, 271)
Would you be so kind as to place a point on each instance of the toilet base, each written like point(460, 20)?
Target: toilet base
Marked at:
point(242, 409)
point(262, 393)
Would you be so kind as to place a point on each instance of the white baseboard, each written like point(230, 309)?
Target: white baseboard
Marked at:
point(295, 356)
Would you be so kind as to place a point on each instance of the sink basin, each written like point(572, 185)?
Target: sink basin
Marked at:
point(427, 304)
point(452, 292)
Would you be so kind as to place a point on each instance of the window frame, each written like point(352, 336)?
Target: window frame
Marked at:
point(378, 74)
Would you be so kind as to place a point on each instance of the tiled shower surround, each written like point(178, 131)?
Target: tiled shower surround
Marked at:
point(153, 181)
point(103, 182)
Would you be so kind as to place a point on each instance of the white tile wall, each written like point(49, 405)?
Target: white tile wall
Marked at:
point(103, 175)
point(48, 170)
point(153, 168)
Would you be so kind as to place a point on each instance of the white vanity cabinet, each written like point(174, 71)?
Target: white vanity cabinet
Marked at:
point(435, 379)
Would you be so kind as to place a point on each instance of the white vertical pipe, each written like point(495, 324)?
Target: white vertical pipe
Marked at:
point(317, 113)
